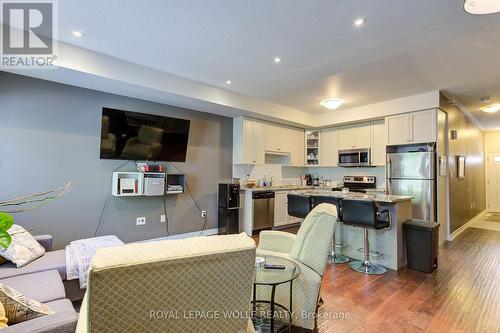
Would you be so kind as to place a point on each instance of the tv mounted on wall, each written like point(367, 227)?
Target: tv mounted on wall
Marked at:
point(137, 136)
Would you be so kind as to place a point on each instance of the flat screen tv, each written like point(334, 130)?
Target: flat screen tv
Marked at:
point(137, 136)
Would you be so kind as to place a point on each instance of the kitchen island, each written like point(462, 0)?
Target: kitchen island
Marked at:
point(390, 242)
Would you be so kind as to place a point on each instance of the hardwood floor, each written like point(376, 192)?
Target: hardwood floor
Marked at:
point(462, 295)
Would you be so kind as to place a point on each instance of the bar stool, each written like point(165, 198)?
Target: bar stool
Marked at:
point(333, 256)
point(365, 214)
point(298, 205)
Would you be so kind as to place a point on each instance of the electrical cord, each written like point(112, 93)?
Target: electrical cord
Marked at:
point(194, 200)
point(101, 218)
point(165, 212)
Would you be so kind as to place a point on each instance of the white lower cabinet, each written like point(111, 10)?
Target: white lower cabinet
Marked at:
point(281, 217)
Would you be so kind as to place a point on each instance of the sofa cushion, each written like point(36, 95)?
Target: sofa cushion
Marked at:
point(3, 318)
point(19, 308)
point(23, 248)
point(43, 286)
point(53, 260)
point(61, 305)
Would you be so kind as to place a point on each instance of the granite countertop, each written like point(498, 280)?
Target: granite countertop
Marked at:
point(280, 188)
point(383, 198)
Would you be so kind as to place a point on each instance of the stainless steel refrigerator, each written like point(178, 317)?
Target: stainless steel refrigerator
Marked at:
point(413, 173)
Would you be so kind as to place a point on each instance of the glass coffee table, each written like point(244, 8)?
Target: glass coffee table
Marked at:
point(269, 316)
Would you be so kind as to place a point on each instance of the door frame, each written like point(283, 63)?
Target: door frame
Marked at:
point(488, 198)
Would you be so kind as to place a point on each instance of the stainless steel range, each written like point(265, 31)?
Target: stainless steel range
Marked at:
point(360, 183)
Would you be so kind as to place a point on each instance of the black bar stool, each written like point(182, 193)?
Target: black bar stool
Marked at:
point(333, 257)
point(298, 205)
point(366, 215)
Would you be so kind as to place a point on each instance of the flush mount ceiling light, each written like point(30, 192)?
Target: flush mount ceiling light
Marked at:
point(229, 81)
point(491, 108)
point(332, 103)
point(359, 22)
point(277, 60)
point(482, 7)
point(77, 34)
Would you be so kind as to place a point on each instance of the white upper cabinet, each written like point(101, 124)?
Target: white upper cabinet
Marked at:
point(423, 126)
point(297, 147)
point(277, 138)
point(415, 127)
point(248, 141)
point(379, 141)
point(329, 146)
point(354, 136)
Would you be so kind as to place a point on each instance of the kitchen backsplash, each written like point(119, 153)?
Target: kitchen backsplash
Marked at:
point(283, 175)
point(336, 174)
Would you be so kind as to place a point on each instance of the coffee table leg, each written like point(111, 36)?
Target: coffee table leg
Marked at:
point(273, 293)
point(254, 298)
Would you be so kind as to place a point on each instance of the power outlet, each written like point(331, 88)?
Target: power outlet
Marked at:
point(163, 218)
point(140, 221)
point(203, 213)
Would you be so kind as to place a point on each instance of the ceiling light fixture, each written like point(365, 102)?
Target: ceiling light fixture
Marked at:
point(482, 7)
point(491, 108)
point(229, 81)
point(359, 22)
point(332, 103)
point(277, 60)
point(77, 34)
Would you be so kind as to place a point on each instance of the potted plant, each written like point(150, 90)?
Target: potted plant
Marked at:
point(6, 221)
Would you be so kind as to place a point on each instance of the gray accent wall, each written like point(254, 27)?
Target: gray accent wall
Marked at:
point(467, 195)
point(50, 134)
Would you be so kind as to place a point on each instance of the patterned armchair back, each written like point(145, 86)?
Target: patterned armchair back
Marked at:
point(314, 237)
point(202, 284)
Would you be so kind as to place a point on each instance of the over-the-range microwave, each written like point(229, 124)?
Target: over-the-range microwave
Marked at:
point(355, 157)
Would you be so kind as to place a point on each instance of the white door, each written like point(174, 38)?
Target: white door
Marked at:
point(423, 126)
point(329, 147)
point(398, 129)
point(493, 186)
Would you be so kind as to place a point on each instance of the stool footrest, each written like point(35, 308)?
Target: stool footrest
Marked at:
point(375, 254)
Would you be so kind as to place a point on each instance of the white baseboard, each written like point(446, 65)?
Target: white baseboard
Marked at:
point(466, 225)
point(207, 232)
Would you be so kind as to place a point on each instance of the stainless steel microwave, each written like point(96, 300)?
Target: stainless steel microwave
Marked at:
point(355, 157)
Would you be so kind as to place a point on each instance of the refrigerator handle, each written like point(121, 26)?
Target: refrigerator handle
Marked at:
point(388, 168)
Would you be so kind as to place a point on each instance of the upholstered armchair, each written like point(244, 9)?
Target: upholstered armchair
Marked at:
point(309, 249)
point(200, 284)
point(146, 145)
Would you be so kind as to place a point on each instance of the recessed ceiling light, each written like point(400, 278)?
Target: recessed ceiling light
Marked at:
point(229, 81)
point(332, 103)
point(491, 108)
point(277, 60)
point(359, 22)
point(77, 34)
point(481, 7)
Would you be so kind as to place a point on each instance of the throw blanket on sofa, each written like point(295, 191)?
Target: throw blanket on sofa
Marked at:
point(79, 254)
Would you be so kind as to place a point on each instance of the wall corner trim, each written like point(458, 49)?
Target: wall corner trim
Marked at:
point(457, 232)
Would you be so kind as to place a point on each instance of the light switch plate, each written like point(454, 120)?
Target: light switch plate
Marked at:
point(163, 218)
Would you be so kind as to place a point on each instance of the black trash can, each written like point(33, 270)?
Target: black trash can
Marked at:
point(422, 242)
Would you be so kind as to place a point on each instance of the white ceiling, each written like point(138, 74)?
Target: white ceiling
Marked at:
point(406, 47)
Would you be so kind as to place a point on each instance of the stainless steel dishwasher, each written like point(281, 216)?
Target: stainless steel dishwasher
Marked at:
point(263, 210)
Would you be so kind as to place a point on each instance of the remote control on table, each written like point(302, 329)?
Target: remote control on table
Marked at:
point(270, 266)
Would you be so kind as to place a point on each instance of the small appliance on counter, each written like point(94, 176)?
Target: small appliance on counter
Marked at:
point(229, 206)
point(359, 183)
